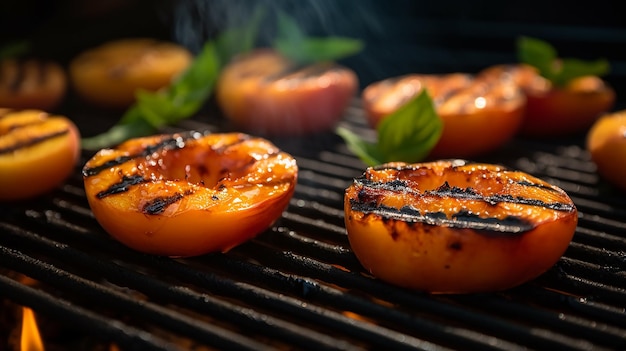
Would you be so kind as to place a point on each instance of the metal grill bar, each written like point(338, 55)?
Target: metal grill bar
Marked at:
point(95, 325)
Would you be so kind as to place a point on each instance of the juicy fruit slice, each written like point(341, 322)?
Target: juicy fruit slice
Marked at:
point(110, 75)
point(37, 152)
point(455, 226)
point(265, 93)
point(188, 194)
point(606, 142)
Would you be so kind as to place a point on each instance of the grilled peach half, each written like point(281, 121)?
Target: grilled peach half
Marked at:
point(187, 194)
point(456, 227)
point(479, 115)
point(553, 111)
point(31, 84)
point(38, 151)
point(606, 142)
point(265, 93)
point(109, 75)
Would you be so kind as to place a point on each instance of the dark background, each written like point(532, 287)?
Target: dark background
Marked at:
point(401, 36)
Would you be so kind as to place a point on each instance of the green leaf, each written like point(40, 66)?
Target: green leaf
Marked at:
point(312, 50)
point(406, 135)
point(572, 68)
point(292, 43)
point(559, 71)
point(537, 53)
point(152, 110)
point(367, 152)
point(411, 132)
point(117, 134)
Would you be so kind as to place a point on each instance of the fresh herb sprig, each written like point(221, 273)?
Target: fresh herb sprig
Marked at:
point(153, 110)
point(559, 71)
point(294, 44)
point(406, 135)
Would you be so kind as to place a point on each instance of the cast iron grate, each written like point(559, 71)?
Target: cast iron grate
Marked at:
point(298, 285)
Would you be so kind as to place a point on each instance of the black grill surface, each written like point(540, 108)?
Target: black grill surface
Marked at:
point(298, 285)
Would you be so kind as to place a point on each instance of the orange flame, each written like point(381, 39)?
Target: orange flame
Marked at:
point(30, 339)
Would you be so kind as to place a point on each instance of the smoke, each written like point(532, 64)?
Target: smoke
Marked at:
point(387, 28)
point(196, 21)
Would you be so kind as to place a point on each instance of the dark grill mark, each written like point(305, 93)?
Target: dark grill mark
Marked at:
point(459, 193)
point(287, 71)
point(469, 194)
point(455, 163)
point(171, 143)
point(460, 220)
point(32, 141)
point(158, 205)
point(88, 172)
point(301, 72)
point(122, 186)
point(14, 85)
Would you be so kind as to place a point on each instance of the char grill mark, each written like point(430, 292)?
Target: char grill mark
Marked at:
point(445, 190)
point(171, 143)
point(123, 186)
point(11, 74)
point(157, 206)
point(368, 202)
point(20, 75)
point(460, 220)
point(32, 141)
point(300, 72)
point(468, 193)
point(23, 70)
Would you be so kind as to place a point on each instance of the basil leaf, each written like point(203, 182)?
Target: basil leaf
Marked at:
point(366, 151)
point(312, 50)
point(538, 54)
point(117, 134)
point(292, 43)
point(559, 71)
point(411, 132)
point(406, 135)
point(152, 110)
point(572, 68)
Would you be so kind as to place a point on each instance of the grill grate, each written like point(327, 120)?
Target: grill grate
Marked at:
point(298, 285)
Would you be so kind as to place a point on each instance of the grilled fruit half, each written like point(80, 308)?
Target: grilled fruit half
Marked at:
point(456, 227)
point(188, 194)
point(110, 75)
point(606, 142)
point(553, 111)
point(479, 114)
point(31, 83)
point(265, 93)
point(37, 152)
